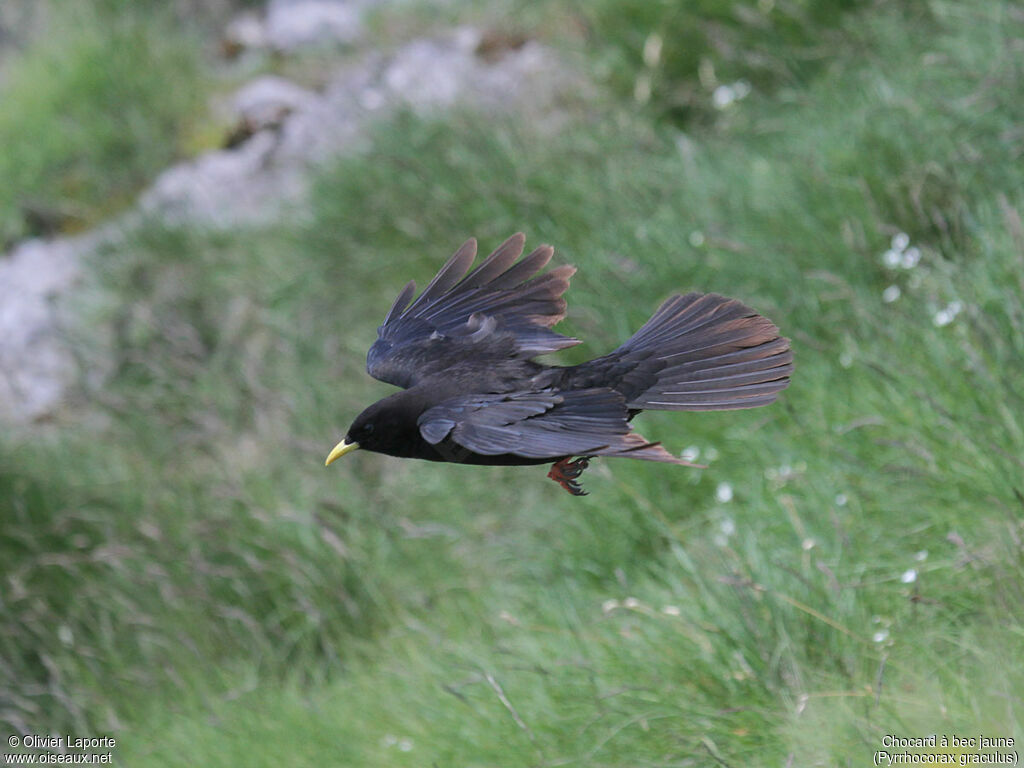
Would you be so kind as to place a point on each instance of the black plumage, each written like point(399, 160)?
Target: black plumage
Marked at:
point(463, 352)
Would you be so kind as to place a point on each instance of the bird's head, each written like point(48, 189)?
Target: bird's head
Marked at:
point(388, 426)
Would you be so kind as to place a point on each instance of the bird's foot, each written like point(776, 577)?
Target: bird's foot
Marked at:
point(565, 473)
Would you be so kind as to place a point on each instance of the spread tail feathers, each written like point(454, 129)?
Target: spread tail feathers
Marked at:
point(699, 352)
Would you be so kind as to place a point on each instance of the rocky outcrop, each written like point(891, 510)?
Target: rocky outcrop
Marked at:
point(294, 130)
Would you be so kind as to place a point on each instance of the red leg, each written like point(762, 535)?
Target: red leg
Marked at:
point(565, 472)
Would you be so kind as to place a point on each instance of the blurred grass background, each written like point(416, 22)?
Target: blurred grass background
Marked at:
point(179, 569)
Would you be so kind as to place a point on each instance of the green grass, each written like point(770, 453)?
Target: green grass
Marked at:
point(92, 111)
point(194, 581)
point(669, 57)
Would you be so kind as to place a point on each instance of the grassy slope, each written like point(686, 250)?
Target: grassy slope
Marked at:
point(388, 613)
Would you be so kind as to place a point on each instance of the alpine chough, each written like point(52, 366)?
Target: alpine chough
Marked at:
point(472, 394)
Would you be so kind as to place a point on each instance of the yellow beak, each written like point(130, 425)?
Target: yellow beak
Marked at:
point(340, 450)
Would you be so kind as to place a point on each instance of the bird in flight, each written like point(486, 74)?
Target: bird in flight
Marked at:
point(473, 394)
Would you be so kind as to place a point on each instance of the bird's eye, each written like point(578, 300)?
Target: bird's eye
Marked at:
point(368, 428)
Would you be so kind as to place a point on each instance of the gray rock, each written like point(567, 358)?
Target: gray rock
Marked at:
point(36, 365)
point(268, 100)
point(294, 24)
point(267, 175)
point(246, 31)
point(437, 73)
point(226, 188)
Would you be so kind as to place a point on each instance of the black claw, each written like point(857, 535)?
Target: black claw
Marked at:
point(574, 488)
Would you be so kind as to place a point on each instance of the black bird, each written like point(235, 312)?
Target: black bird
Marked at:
point(472, 394)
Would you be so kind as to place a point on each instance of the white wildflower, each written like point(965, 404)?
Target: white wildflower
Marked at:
point(947, 314)
point(910, 258)
point(880, 636)
point(723, 96)
point(671, 610)
point(405, 745)
point(841, 499)
point(696, 238)
point(846, 359)
point(691, 453)
point(891, 258)
point(900, 241)
point(922, 555)
point(890, 294)
point(808, 544)
point(652, 50)
point(609, 605)
point(631, 603)
point(723, 494)
point(727, 526)
point(909, 576)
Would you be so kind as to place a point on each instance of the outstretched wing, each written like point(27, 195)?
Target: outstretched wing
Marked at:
point(540, 425)
point(500, 310)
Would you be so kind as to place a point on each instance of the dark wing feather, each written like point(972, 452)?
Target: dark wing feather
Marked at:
point(448, 275)
point(540, 425)
point(500, 311)
point(401, 301)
